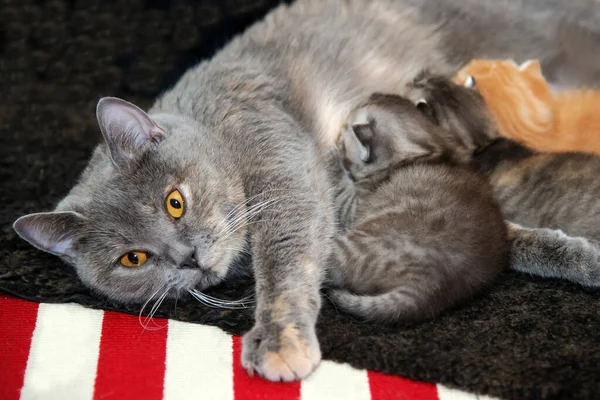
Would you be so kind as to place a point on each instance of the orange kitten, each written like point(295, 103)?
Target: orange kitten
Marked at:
point(526, 110)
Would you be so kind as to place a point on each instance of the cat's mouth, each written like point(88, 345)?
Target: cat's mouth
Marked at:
point(183, 280)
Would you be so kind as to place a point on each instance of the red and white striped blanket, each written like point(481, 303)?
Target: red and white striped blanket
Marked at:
point(68, 352)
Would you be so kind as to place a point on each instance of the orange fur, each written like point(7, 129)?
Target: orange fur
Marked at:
point(526, 110)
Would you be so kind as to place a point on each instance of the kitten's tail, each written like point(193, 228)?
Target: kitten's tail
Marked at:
point(386, 307)
point(549, 253)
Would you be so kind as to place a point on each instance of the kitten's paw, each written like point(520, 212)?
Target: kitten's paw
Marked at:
point(584, 260)
point(553, 254)
point(280, 354)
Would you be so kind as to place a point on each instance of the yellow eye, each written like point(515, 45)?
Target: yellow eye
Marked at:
point(134, 258)
point(175, 204)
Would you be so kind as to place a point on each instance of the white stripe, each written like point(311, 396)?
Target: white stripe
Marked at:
point(446, 393)
point(64, 353)
point(336, 381)
point(199, 363)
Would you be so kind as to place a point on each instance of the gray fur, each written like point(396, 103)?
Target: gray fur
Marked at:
point(427, 233)
point(546, 196)
point(255, 121)
point(553, 254)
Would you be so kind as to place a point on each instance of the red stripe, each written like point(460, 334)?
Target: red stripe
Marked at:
point(390, 387)
point(17, 322)
point(257, 388)
point(131, 364)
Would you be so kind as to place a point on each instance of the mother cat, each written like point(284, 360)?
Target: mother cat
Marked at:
point(164, 203)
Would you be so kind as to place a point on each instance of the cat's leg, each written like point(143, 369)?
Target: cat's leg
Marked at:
point(549, 253)
point(289, 249)
point(389, 307)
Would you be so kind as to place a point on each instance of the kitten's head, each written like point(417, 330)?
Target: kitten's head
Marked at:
point(152, 211)
point(387, 132)
point(458, 109)
point(518, 96)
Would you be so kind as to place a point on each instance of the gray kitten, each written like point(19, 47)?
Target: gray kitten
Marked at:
point(425, 232)
point(558, 192)
point(229, 159)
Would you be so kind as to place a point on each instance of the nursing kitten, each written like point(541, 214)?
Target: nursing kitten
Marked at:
point(525, 108)
point(228, 159)
point(424, 231)
point(552, 199)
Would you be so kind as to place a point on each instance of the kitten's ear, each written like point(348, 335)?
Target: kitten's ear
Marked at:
point(350, 144)
point(356, 137)
point(470, 82)
point(427, 110)
point(126, 128)
point(531, 66)
point(53, 232)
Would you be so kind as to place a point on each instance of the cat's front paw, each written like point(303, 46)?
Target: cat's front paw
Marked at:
point(279, 354)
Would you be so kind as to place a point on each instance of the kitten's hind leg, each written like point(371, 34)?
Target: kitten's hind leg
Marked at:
point(549, 253)
point(389, 307)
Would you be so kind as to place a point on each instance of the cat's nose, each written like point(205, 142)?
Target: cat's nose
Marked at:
point(190, 261)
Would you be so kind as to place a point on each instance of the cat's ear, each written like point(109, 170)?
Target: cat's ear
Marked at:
point(126, 128)
point(531, 66)
point(470, 82)
point(357, 136)
point(53, 232)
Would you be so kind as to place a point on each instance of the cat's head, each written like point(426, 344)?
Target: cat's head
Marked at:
point(518, 96)
point(153, 210)
point(388, 131)
point(458, 109)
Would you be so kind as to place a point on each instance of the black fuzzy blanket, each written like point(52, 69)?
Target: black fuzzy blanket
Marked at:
point(525, 339)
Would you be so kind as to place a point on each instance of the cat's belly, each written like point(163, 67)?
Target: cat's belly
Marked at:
point(331, 105)
point(329, 55)
point(330, 81)
point(323, 57)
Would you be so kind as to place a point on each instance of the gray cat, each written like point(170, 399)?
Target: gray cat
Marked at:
point(231, 158)
point(558, 192)
point(425, 232)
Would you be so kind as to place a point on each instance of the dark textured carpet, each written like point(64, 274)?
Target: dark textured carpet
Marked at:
point(526, 339)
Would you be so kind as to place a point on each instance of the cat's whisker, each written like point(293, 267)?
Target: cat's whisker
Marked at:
point(249, 213)
point(239, 206)
point(219, 303)
point(212, 304)
point(242, 220)
point(249, 299)
point(254, 209)
point(155, 307)
point(235, 210)
point(246, 223)
point(146, 304)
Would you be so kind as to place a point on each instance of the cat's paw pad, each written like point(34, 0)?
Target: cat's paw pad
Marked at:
point(280, 354)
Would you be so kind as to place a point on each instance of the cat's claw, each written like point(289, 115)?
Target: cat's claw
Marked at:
point(280, 355)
